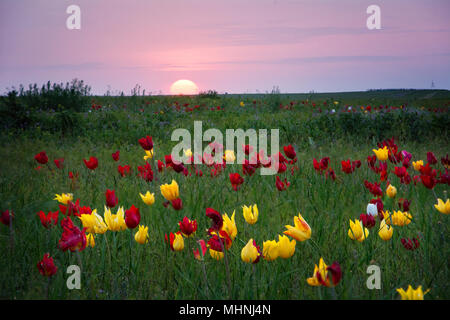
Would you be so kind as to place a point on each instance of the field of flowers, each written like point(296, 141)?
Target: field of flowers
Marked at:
point(363, 181)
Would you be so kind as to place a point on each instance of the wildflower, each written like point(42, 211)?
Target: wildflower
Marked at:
point(236, 180)
point(382, 154)
point(93, 223)
point(412, 294)
point(124, 170)
point(41, 157)
point(115, 222)
point(170, 191)
point(146, 172)
point(271, 250)
point(49, 219)
point(72, 238)
point(251, 253)
point(46, 266)
point(142, 235)
point(289, 151)
point(443, 207)
point(367, 220)
point(111, 198)
point(116, 155)
point(250, 214)
point(301, 231)
point(132, 217)
point(146, 143)
point(177, 204)
point(385, 231)
point(281, 186)
point(64, 198)
point(391, 191)
point(321, 275)
point(92, 164)
point(59, 163)
point(229, 225)
point(148, 198)
point(187, 227)
point(357, 231)
point(286, 247)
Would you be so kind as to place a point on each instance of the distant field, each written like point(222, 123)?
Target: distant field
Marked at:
point(340, 126)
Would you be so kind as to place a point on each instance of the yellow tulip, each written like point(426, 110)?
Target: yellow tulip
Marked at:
point(443, 207)
point(391, 191)
point(382, 154)
point(250, 214)
point(411, 294)
point(93, 222)
point(216, 254)
point(170, 191)
point(250, 253)
point(148, 198)
point(115, 222)
point(271, 250)
point(320, 270)
point(90, 240)
point(386, 231)
point(286, 248)
point(188, 153)
point(301, 231)
point(64, 198)
point(357, 231)
point(229, 156)
point(397, 218)
point(178, 242)
point(142, 235)
point(242, 104)
point(148, 154)
point(229, 225)
point(417, 165)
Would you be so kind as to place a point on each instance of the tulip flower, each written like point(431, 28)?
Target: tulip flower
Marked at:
point(170, 191)
point(146, 172)
point(250, 214)
point(375, 206)
point(93, 223)
point(301, 230)
point(46, 266)
point(289, 151)
point(217, 220)
point(391, 191)
point(49, 219)
point(281, 186)
point(431, 158)
point(142, 235)
point(443, 207)
point(6, 217)
point(187, 227)
point(148, 198)
point(176, 241)
point(229, 225)
point(124, 170)
point(385, 231)
point(410, 244)
point(148, 154)
point(199, 255)
point(411, 294)
point(417, 165)
point(367, 220)
point(132, 217)
point(357, 231)
point(236, 180)
point(64, 198)
point(271, 250)
point(111, 198)
point(397, 218)
point(90, 240)
point(116, 155)
point(72, 238)
point(286, 247)
point(321, 276)
point(219, 240)
point(92, 164)
point(177, 204)
point(242, 104)
point(115, 222)
point(382, 154)
point(229, 156)
point(217, 255)
point(251, 253)
point(41, 157)
point(59, 163)
point(146, 143)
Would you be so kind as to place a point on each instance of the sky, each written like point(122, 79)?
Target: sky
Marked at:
point(234, 46)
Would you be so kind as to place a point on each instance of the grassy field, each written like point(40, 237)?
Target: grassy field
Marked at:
point(340, 126)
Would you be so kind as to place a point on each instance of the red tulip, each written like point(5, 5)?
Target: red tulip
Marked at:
point(124, 170)
point(289, 151)
point(216, 217)
point(92, 163)
point(111, 198)
point(431, 158)
point(6, 217)
point(177, 204)
point(410, 244)
point(347, 166)
point(160, 166)
point(367, 220)
point(59, 163)
point(46, 266)
point(404, 204)
point(220, 242)
point(187, 227)
point(374, 188)
point(146, 143)
point(116, 155)
point(236, 180)
point(197, 254)
point(49, 219)
point(132, 217)
point(330, 173)
point(428, 181)
point(146, 172)
point(72, 238)
point(41, 157)
point(280, 184)
point(336, 272)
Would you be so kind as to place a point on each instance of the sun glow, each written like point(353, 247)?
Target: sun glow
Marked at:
point(183, 87)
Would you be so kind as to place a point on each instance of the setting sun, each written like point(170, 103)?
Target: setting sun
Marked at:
point(183, 87)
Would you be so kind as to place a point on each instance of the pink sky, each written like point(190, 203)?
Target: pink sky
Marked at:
point(233, 46)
